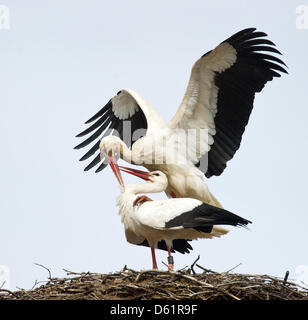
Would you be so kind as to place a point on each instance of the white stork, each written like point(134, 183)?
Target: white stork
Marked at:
point(218, 100)
point(170, 220)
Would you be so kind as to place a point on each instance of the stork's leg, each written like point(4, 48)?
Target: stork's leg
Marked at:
point(138, 201)
point(170, 260)
point(153, 258)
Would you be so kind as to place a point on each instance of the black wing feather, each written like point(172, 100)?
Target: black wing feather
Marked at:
point(95, 125)
point(108, 106)
point(97, 133)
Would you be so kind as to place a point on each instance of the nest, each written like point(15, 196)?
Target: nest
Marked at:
point(155, 284)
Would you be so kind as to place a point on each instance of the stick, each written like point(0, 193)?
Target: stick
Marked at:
point(233, 267)
point(40, 265)
point(192, 266)
point(286, 277)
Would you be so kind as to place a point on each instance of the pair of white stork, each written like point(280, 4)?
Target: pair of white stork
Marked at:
point(201, 138)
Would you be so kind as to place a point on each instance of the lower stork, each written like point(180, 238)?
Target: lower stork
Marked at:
point(167, 220)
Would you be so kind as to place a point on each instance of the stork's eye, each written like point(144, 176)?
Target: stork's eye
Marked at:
point(156, 174)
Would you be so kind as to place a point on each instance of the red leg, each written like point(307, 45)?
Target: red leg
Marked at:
point(153, 258)
point(170, 260)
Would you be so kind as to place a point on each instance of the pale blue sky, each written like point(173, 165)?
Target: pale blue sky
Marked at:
point(62, 60)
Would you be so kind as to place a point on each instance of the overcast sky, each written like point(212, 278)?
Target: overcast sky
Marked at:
point(62, 60)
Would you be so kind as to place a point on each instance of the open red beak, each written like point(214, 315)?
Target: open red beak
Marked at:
point(138, 173)
point(115, 168)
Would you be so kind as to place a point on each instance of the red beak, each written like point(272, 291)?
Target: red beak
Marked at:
point(138, 173)
point(115, 168)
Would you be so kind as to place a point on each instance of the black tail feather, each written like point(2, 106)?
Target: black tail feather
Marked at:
point(179, 245)
point(204, 217)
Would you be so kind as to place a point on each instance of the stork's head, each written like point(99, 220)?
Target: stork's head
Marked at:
point(156, 177)
point(110, 146)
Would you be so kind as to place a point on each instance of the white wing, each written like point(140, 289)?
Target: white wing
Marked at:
point(156, 214)
point(185, 213)
point(220, 94)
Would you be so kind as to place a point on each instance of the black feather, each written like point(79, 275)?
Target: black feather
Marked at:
point(179, 245)
point(102, 166)
point(91, 151)
point(96, 134)
point(93, 163)
point(96, 124)
point(254, 42)
point(100, 112)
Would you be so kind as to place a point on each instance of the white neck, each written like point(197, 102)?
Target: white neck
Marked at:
point(125, 153)
point(128, 196)
point(149, 187)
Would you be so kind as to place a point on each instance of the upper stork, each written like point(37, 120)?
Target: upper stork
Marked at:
point(212, 115)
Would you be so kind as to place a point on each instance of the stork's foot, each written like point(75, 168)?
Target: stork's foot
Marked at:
point(170, 259)
point(140, 200)
point(170, 263)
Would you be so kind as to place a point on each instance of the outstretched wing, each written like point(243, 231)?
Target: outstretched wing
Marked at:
point(220, 95)
point(124, 115)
